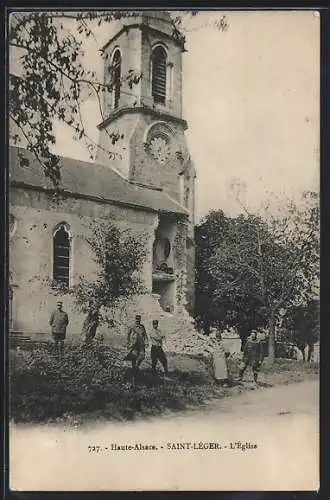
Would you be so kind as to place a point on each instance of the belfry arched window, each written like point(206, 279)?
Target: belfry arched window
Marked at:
point(158, 74)
point(61, 255)
point(116, 77)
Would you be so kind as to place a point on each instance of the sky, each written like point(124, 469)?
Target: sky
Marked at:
point(251, 100)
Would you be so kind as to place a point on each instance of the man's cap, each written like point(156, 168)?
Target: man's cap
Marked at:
point(59, 302)
point(138, 316)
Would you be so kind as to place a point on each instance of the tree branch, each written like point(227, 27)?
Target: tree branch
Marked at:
point(44, 167)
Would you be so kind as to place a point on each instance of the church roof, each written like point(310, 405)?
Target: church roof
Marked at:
point(91, 180)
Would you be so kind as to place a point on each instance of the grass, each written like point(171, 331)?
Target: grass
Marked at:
point(88, 386)
point(286, 371)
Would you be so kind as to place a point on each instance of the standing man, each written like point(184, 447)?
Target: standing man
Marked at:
point(59, 321)
point(137, 342)
point(252, 356)
point(157, 352)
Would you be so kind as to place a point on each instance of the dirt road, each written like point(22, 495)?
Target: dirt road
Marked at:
point(264, 439)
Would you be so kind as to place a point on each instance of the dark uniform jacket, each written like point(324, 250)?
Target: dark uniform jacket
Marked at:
point(252, 351)
point(136, 341)
point(137, 336)
point(59, 321)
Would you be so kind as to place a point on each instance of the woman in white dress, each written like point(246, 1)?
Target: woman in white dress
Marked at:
point(219, 358)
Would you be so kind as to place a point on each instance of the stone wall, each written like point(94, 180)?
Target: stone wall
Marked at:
point(136, 47)
point(129, 43)
point(36, 217)
point(173, 103)
point(134, 162)
point(179, 328)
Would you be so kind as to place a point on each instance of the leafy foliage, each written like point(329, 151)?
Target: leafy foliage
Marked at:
point(93, 383)
point(119, 256)
point(44, 387)
point(250, 267)
point(303, 322)
point(225, 267)
point(53, 81)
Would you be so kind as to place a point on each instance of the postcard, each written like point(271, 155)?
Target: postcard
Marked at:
point(164, 250)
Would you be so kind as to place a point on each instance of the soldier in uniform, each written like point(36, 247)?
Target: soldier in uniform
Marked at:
point(59, 321)
point(137, 342)
point(157, 338)
point(252, 356)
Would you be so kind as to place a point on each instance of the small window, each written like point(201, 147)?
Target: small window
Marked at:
point(116, 77)
point(61, 255)
point(158, 77)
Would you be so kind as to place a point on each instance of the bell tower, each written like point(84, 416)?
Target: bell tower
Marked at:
point(142, 105)
point(144, 45)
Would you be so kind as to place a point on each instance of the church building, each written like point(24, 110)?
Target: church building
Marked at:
point(147, 185)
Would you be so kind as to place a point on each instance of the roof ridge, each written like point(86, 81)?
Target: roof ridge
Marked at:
point(145, 186)
point(80, 178)
point(71, 158)
point(173, 200)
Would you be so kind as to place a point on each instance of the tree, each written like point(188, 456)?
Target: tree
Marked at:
point(253, 267)
point(302, 321)
point(52, 80)
point(224, 296)
point(208, 235)
point(119, 256)
point(296, 231)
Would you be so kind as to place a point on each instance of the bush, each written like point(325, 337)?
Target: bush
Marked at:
point(43, 387)
point(95, 383)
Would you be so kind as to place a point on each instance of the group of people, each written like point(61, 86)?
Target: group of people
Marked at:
point(138, 341)
point(252, 357)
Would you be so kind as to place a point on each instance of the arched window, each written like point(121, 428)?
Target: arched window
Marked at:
point(158, 74)
point(116, 77)
point(61, 255)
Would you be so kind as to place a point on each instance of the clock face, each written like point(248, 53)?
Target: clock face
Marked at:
point(159, 149)
point(159, 142)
